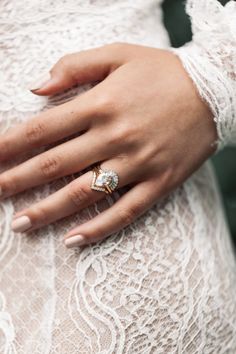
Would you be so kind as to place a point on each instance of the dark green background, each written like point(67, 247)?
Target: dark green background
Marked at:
point(178, 25)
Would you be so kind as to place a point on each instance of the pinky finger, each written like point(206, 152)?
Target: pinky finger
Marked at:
point(129, 207)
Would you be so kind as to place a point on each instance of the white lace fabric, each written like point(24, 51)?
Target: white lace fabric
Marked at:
point(210, 60)
point(165, 284)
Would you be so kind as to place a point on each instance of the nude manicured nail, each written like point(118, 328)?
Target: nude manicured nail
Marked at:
point(74, 241)
point(21, 224)
point(40, 82)
point(1, 192)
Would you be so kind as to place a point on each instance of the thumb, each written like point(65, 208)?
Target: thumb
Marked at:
point(78, 68)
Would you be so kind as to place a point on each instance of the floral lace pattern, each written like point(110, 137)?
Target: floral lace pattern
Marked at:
point(166, 283)
point(210, 60)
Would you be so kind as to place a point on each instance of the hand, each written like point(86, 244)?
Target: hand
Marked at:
point(144, 120)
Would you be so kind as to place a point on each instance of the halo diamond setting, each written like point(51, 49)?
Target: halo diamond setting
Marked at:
point(104, 181)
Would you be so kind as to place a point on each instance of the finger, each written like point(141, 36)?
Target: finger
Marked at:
point(48, 127)
point(65, 159)
point(130, 206)
point(68, 200)
point(79, 68)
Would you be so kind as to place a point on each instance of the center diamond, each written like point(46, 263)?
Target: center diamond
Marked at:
point(102, 179)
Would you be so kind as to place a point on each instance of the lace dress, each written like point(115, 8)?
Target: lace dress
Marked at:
point(165, 284)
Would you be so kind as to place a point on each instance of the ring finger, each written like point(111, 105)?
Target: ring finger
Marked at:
point(74, 197)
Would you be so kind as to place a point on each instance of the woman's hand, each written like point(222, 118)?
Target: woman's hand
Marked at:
point(144, 120)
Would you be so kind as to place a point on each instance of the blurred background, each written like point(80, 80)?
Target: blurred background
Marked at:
point(178, 25)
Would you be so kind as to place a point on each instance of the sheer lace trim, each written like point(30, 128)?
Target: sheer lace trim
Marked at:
point(210, 60)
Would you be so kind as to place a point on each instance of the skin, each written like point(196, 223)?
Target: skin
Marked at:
point(144, 120)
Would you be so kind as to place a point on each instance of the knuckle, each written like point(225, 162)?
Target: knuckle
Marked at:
point(105, 103)
point(64, 62)
point(97, 234)
point(78, 194)
point(50, 167)
point(5, 148)
point(147, 156)
point(39, 215)
point(8, 184)
point(127, 216)
point(170, 177)
point(123, 134)
point(114, 139)
point(35, 132)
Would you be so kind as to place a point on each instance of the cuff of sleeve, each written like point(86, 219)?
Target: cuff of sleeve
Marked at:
point(214, 87)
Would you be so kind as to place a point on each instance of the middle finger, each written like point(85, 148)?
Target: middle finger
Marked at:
point(62, 160)
point(48, 127)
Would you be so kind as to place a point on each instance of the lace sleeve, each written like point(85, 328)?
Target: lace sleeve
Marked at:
point(210, 60)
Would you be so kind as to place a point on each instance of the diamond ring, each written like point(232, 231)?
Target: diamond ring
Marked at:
point(104, 180)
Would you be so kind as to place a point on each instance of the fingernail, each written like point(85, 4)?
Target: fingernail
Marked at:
point(1, 192)
point(40, 82)
point(74, 241)
point(21, 224)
